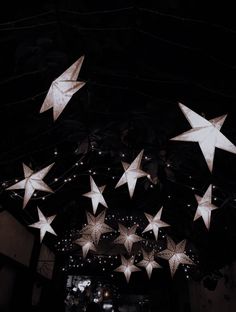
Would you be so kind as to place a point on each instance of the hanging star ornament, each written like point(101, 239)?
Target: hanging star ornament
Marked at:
point(44, 224)
point(132, 173)
point(206, 133)
point(33, 181)
point(205, 207)
point(175, 255)
point(62, 89)
point(127, 237)
point(86, 243)
point(155, 223)
point(149, 262)
point(96, 226)
point(96, 195)
point(127, 267)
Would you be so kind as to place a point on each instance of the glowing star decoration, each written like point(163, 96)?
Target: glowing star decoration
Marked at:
point(127, 237)
point(96, 226)
point(132, 173)
point(149, 262)
point(175, 255)
point(62, 89)
point(33, 181)
point(86, 243)
point(96, 195)
point(205, 207)
point(127, 267)
point(155, 223)
point(206, 133)
point(44, 224)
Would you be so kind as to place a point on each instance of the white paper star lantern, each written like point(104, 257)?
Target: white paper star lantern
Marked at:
point(127, 267)
point(96, 226)
point(33, 181)
point(86, 243)
point(206, 133)
point(205, 207)
point(149, 262)
point(62, 89)
point(175, 255)
point(96, 195)
point(44, 224)
point(127, 237)
point(155, 223)
point(132, 173)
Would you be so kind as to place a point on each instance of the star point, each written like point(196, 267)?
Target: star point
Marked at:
point(86, 243)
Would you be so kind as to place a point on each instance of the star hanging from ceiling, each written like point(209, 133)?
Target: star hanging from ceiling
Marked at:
point(155, 223)
point(96, 226)
point(205, 207)
point(132, 173)
point(206, 133)
point(86, 243)
point(175, 255)
point(62, 89)
point(148, 262)
point(96, 195)
point(127, 237)
point(127, 267)
point(32, 181)
point(44, 224)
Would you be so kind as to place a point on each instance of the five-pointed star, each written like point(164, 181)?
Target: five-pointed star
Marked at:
point(62, 89)
point(44, 224)
point(127, 237)
point(96, 195)
point(155, 223)
point(96, 226)
point(127, 267)
point(86, 243)
point(205, 207)
point(175, 255)
point(148, 262)
point(33, 181)
point(132, 173)
point(206, 133)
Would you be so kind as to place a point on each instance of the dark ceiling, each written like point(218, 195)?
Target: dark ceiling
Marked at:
point(141, 59)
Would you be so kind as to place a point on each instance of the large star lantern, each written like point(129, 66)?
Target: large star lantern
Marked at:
point(206, 133)
point(127, 237)
point(86, 243)
point(62, 89)
point(205, 207)
point(44, 224)
point(96, 226)
point(155, 223)
point(132, 173)
point(148, 262)
point(127, 267)
point(33, 181)
point(175, 255)
point(96, 195)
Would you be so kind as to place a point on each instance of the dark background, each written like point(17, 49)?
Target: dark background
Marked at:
point(141, 59)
